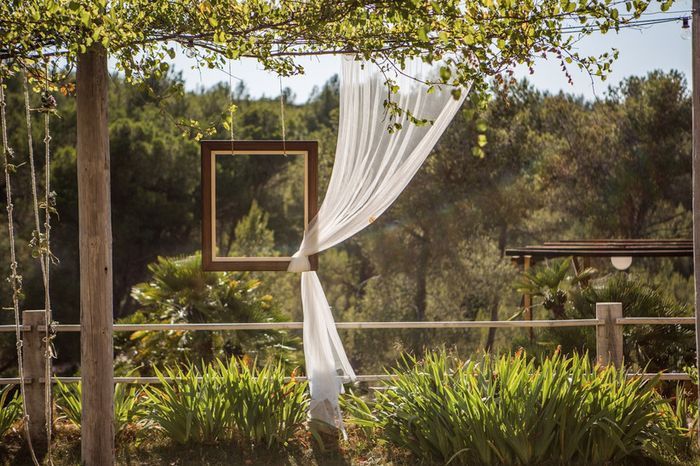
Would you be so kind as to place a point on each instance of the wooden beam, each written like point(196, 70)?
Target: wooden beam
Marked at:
point(543, 252)
point(95, 241)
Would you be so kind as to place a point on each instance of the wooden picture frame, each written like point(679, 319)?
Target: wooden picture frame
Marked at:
point(210, 150)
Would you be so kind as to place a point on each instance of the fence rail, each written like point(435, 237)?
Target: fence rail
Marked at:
point(339, 325)
point(668, 376)
point(229, 326)
point(609, 324)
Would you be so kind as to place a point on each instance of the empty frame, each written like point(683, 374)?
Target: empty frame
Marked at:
point(218, 156)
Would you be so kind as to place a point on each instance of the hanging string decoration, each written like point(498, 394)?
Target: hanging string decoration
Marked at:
point(284, 129)
point(40, 242)
point(48, 106)
point(15, 278)
point(38, 245)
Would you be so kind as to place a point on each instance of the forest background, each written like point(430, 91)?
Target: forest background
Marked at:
point(531, 167)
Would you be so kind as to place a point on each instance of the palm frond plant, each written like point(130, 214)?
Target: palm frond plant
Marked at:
point(511, 411)
point(551, 281)
point(10, 408)
point(181, 292)
point(656, 347)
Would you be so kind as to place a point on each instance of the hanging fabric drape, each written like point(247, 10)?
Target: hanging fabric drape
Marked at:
point(372, 167)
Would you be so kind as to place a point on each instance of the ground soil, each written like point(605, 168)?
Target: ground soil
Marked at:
point(139, 447)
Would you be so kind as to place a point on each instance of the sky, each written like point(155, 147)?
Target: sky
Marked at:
point(641, 50)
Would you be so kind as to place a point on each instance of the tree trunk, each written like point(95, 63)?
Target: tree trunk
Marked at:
point(491, 338)
point(502, 243)
point(696, 174)
point(420, 298)
point(95, 239)
point(503, 239)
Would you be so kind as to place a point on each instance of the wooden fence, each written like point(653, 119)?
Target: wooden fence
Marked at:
point(609, 324)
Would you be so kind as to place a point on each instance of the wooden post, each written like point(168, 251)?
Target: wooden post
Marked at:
point(695, 52)
point(609, 338)
point(33, 360)
point(95, 234)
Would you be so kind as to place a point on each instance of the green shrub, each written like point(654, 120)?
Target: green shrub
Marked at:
point(180, 407)
point(228, 400)
point(654, 347)
point(128, 404)
point(10, 408)
point(510, 410)
point(179, 291)
point(265, 408)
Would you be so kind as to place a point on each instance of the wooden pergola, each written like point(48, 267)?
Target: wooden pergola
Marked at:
point(527, 256)
point(603, 248)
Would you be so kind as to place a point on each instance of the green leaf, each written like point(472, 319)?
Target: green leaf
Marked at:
point(422, 34)
point(445, 73)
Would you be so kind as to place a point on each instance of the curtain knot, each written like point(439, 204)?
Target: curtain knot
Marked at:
point(299, 263)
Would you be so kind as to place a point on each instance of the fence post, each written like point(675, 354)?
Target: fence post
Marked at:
point(609, 338)
point(33, 360)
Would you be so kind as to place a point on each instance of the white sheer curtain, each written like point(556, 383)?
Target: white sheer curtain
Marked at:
point(372, 167)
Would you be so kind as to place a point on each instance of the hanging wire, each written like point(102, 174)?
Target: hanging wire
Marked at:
point(642, 23)
point(15, 279)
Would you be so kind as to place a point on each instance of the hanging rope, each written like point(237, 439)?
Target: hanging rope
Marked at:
point(14, 278)
point(41, 247)
point(284, 130)
point(230, 102)
point(48, 105)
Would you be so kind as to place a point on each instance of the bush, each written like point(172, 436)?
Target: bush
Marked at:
point(128, 404)
point(179, 291)
point(508, 410)
point(229, 400)
point(10, 408)
point(654, 347)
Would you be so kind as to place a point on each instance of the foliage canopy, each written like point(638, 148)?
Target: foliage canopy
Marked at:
point(476, 40)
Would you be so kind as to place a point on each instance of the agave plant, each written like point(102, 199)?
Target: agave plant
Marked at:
point(10, 408)
point(129, 405)
point(226, 400)
point(512, 411)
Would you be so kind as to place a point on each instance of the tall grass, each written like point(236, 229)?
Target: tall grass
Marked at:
point(10, 408)
point(129, 405)
point(511, 411)
point(228, 400)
